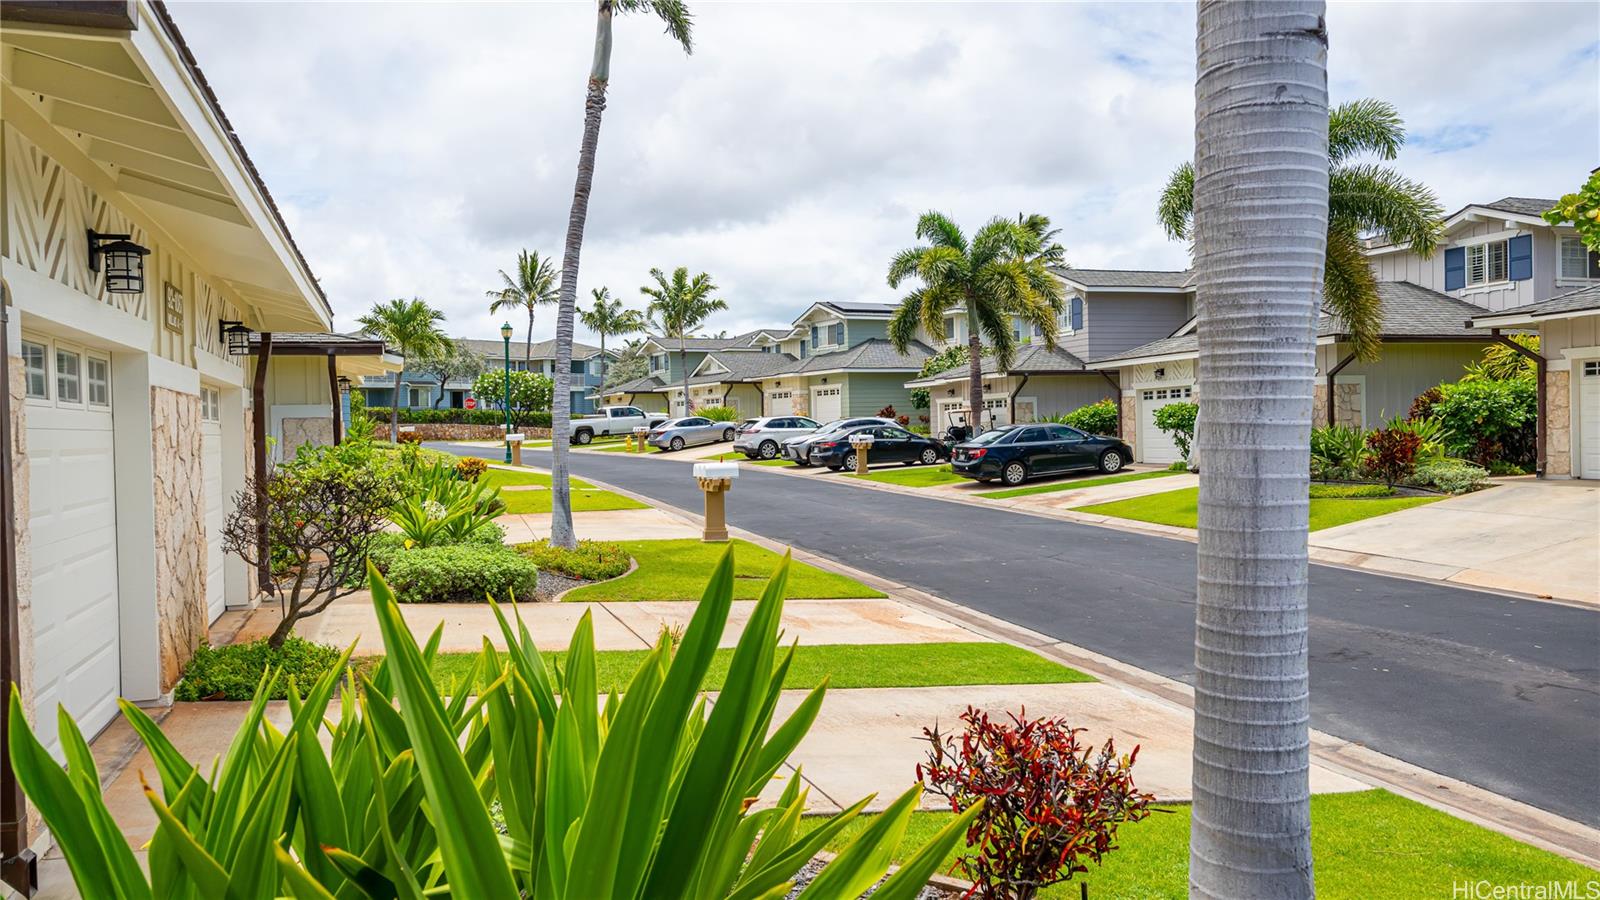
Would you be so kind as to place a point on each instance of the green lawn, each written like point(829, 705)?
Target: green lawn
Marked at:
point(1182, 508)
point(844, 665)
point(1074, 484)
point(913, 476)
point(585, 497)
point(776, 462)
point(1370, 845)
point(679, 569)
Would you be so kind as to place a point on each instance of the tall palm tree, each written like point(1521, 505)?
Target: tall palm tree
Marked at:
point(1261, 204)
point(533, 286)
point(675, 14)
point(1004, 271)
point(1363, 198)
point(411, 327)
point(678, 306)
point(607, 317)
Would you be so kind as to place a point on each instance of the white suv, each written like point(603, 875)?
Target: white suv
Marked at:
point(761, 438)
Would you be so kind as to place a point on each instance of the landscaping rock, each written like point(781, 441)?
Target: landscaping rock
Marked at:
point(553, 584)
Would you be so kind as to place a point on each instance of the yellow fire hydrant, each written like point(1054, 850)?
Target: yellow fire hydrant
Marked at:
point(715, 479)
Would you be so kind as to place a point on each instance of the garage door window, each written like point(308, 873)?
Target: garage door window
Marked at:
point(68, 377)
point(1177, 393)
point(99, 381)
point(210, 405)
point(35, 371)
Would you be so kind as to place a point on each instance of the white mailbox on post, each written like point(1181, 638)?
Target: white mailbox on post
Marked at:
point(639, 434)
point(861, 442)
point(715, 479)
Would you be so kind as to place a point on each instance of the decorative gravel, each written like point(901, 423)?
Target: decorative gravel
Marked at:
point(553, 584)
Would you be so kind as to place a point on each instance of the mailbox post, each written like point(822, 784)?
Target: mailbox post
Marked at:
point(639, 435)
point(514, 441)
point(715, 479)
point(861, 443)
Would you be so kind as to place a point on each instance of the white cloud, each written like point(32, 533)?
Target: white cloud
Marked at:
point(415, 147)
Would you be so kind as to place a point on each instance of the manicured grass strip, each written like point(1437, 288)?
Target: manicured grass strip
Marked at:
point(776, 462)
point(1074, 484)
point(494, 477)
point(915, 476)
point(678, 570)
point(1182, 508)
point(844, 665)
point(1372, 845)
point(585, 497)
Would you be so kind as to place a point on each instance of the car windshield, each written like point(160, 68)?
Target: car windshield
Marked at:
point(990, 437)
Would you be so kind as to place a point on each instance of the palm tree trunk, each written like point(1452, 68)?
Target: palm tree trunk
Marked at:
point(974, 370)
point(561, 533)
point(527, 351)
point(1261, 223)
point(394, 408)
point(683, 363)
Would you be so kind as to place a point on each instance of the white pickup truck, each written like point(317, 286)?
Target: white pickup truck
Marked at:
point(613, 421)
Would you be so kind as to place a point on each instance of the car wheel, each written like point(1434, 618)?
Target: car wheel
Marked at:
point(727, 434)
point(583, 437)
point(1014, 473)
point(849, 461)
point(769, 449)
point(676, 443)
point(929, 456)
point(1110, 461)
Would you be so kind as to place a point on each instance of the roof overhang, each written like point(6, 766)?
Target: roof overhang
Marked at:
point(1141, 360)
point(111, 90)
point(1514, 319)
point(1476, 214)
point(1122, 289)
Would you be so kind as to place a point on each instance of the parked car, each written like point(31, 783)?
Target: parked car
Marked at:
point(612, 420)
point(676, 434)
point(798, 449)
point(1015, 453)
point(763, 437)
point(890, 443)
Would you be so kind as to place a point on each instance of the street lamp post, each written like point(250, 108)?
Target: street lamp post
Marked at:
point(505, 335)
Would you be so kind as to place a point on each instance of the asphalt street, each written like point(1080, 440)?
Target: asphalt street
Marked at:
point(1497, 691)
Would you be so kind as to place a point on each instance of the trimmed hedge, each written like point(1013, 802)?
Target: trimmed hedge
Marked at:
point(389, 545)
point(461, 573)
point(1349, 491)
point(1453, 476)
point(591, 561)
point(234, 671)
point(423, 416)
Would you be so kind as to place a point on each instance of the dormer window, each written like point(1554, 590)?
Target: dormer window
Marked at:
point(1486, 263)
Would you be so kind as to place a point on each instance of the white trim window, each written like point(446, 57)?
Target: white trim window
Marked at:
point(1487, 263)
point(1577, 262)
point(69, 377)
point(210, 404)
point(98, 371)
point(36, 370)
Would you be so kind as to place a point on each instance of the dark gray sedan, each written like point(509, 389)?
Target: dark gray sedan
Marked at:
point(690, 431)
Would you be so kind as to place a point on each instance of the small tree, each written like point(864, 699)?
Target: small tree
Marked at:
point(1049, 802)
point(1582, 210)
point(322, 510)
point(451, 362)
point(1177, 419)
point(948, 358)
point(530, 393)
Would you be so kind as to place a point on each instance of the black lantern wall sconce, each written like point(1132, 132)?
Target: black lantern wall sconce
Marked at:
point(344, 386)
point(122, 259)
point(235, 336)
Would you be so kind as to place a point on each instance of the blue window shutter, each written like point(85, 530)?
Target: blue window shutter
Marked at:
point(1077, 313)
point(1455, 268)
point(1520, 255)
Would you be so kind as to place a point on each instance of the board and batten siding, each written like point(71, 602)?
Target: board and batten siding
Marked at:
point(865, 393)
point(1114, 322)
point(1400, 375)
point(1404, 265)
point(1558, 335)
point(858, 330)
point(1060, 394)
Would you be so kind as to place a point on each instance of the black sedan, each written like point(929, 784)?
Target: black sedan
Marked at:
point(890, 443)
point(1015, 453)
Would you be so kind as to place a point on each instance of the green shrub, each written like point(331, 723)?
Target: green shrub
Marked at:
point(591, 561)
point(468, 468)
point(1349, 491)
point(390, 544)
point(423, 416)
point(1177, 419)
point(1096, 418)
point(1178, 466)
point(717, 413)
point(1392, 454)
point(1337, 451)
point(1453, 476)
point(233, 672)
point(1489, 420)
point(462, 573)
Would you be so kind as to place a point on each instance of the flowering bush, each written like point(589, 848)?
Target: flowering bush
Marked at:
point(1392, 454)
point(470, 467)
point(1049, 802)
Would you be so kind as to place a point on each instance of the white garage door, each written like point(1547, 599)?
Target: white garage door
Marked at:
point(1590, 416)
point(73, 538)
point(216, 500)
point(827, 404)
point(1155, 445)
point(780, 403)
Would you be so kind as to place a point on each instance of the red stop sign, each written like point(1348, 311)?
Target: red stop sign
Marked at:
point(472, 403)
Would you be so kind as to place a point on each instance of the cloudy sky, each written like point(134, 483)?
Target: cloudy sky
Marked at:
point(416, 147)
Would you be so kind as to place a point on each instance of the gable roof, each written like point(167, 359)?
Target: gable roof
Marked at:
point(1522, 206)
point(519, 349)
point(1409, 311)
point(646, 385)
point(739, 341)
point(1029, 359)
point(1125, 279)
point(743, 367)
point(1563, 306)
point(871, 354)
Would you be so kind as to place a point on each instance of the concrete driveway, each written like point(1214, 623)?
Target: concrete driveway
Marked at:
point(1534, 537)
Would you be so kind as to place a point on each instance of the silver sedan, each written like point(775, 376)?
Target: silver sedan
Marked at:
point(690, 431)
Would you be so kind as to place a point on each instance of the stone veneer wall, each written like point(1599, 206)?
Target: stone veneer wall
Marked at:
point(1347, 404)
point(1319, 403)
point(1557, 423)
point(21, 511)
point(180, 508)
point(1130, 420)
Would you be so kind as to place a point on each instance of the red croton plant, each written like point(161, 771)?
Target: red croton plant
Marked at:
point(1050, 803)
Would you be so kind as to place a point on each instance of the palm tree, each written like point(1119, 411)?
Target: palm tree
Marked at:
point(1261, 216)
point(678, 307)
point(1004, 271)
point(675, 14)
point(411, 327)
point(1363, 199)
point(607, 317)
point(533, 286)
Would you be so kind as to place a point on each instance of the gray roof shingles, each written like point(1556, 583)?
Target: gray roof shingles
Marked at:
point(1523, 206)
point(1584, 299)
point(873, 353)
point(1030, 359)
point(519, 349)
point(1129, 278)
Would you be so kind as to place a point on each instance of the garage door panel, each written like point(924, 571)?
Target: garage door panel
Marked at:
point(827, 404)
point(1154, 445)
point(1589, 420)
